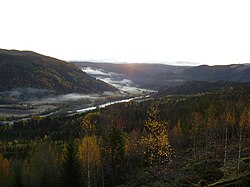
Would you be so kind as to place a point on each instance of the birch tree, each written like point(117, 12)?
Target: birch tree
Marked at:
point(89, 155)
point(157, 149)
point(229, 121)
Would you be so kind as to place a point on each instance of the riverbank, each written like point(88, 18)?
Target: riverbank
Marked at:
point(65, 110)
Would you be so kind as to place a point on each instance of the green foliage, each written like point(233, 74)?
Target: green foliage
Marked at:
point(38, 143)
point(116, 146)
point(202, 183)
point(212, 171)
point(17, 180)
point(43, 166)
point(71, 169)
point(187, 181)
point(113, 150)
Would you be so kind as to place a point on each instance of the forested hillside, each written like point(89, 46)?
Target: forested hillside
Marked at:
point(160, 76)
point(187, 140)
point(199, 87)
point(26, 69)
point(145, 75)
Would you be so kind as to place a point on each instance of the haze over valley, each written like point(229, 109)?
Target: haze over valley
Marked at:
point(160, 76)
point(34, 84)
point(134, 93)
point(44, 98)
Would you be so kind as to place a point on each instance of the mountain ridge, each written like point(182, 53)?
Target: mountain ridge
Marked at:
point(159, 76)
point(29, 69)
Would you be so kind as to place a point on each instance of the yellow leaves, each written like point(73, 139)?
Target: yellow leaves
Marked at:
point(156, 141)
point(177, 131)
point(244, 119)
point(229, 118)
point(248, 116)
point(64, 151)
point(89, 152)
point(26, 167)
point(88, 124)
point(4, 167)
point(197, 120)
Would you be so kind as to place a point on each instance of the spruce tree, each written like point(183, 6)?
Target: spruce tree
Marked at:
point(71, 168)
point(17, 178)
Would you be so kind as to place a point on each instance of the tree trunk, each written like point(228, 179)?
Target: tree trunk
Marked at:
point(206, 156)
point(239, 152)
point(95, 181)
point(88, 176)
point(194, 147)
point(113, 169)
point(225, 151)
point(102, 176)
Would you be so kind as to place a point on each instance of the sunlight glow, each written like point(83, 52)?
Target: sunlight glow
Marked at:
point(195, 31)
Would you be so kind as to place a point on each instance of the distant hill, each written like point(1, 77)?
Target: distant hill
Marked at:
point(233, 72)
point(26, 69)
point(199, 87)
point(159, 76)
point(142, 74)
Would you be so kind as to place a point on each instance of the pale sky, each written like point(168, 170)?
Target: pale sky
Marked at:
point(170, 31)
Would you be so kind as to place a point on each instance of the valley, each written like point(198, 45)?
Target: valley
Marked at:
point(196, 126)
point(161, 76)
point(29, 97)
point(124, 93)
point(142, 124)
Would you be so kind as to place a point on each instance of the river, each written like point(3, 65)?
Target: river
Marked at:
point(85, 109)
point(109, 103)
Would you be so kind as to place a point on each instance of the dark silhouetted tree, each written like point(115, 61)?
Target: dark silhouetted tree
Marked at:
point(71, 168)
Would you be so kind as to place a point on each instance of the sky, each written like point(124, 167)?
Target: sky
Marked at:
point(190, 32)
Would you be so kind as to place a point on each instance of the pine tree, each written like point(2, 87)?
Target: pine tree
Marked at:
point(177, 134)
point(71, 169)
point(117, 151)
point(17, 178)
point(229, 121)
point(43, 165)
point(195, 130)
point(244, 121)
point(114, 151)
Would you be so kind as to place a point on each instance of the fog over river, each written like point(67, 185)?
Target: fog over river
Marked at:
point(28, 102)
point(117, 80)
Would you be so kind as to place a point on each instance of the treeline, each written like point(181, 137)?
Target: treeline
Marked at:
point(96, 157)
point(175, 141)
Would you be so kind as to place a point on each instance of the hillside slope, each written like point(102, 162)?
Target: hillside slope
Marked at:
point(233, 72)
point(26, 69)
point(199, 87)
point(159, 76)
point(144, 75)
